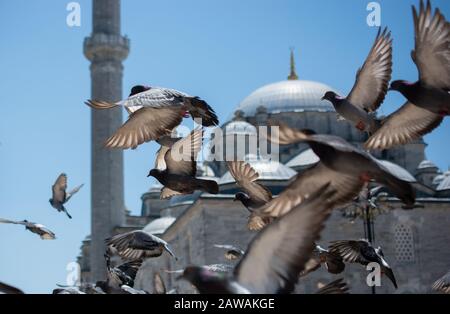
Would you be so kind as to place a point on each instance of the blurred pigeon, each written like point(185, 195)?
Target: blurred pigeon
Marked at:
point(181, 168)
point(129, 290)
point(38, 229)
point(158, 284)
point(276, 255)
point(255, 194)
point(123, 274)
point(345, 166)
point(429, 97)
point(154, 112)
point(443, 284)
point(59, 194)
point(7, 289)
point(370, 87)
point(214, 268)
point(362, 252)
point(339, 286)
point(232, 252)
point(333, 263)
point(68, 290)
point(138, 244)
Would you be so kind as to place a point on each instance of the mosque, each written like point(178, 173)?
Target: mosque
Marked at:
point(414, 242)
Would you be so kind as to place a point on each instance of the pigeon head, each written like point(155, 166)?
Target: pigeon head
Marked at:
point(154, 173)
point(399, 85)
point(330, 96)
point(138, 89)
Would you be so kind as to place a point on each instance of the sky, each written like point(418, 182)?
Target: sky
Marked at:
point(221, 50)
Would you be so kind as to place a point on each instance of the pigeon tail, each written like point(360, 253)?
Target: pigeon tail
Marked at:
point(209, 186)
point(67, 213)
point(390, 274)
point(166, 246)
point(200, 110)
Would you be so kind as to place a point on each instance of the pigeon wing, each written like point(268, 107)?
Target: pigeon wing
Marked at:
point(349, 250)
point(59, 188)
point(277, 255)
point(158, 284)
point(181, 158)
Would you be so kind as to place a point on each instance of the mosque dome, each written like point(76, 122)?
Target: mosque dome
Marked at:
point(159, 226)
point(445, 183)
point(240, 128)
point(398, 171)
point(267, 169)
point(426, 164)
point(438, 179)
point(305, 158)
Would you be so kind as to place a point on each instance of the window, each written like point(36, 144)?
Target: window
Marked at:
point(404, 243)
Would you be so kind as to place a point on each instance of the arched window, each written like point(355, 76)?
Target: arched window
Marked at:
point(404, 243)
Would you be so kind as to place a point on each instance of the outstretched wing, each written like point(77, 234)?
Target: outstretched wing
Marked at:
point(349, 250)
point(158, 284)
point(182, 156)
point(59, 188)
point(73, 191)
point(277, 255)
point(372, 80)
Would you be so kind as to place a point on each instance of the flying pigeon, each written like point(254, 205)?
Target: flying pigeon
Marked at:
point(428, 99)
point(333, 263)
point(123, 274)
point(138, 244)
point(154, 112)
point(7, 289)
point(232, 252)
point(345, 166)
point(181, 168)
point(276, 255)
point(370, 88)
point(255, 194)
point(443, 284)
point(59, 194)
point(362, 252)
point(338, 286)
point(38, 229)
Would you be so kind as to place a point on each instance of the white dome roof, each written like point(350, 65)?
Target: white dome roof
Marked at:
point(305, 158)
point(288, 96)
point(240, 127)
point(445, 183)
point(426, 164)
point(398, 171)
point(159, 226)
point(438, 179)
point(267, 170)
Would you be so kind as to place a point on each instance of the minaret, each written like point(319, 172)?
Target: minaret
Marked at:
point(106, 49)
point(292, 75)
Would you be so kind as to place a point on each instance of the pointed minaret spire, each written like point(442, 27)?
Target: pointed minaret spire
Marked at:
point(292, 75)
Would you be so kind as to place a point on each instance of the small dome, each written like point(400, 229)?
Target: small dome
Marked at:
point(305, 158)
point(445, 183)
point(159, 226)
point(398, 171)
point(438, 179)
point(240, 127)
point(267, 170)
point(425, 164)
point(287, 96)
point(156, 187)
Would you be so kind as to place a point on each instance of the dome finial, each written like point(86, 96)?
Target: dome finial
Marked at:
point(293, 74)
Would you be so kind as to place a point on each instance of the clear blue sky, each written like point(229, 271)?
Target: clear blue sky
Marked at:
point(221, 50)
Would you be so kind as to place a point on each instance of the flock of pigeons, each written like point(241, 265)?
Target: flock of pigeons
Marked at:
point(288, 226)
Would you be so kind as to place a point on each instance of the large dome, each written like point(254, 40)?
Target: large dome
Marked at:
point(288, 96)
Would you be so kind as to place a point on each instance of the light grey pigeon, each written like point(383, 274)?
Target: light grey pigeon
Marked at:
point(428, 99)
point(154, 112)
point(38, 229)
point(370, 88)
point(59, 194)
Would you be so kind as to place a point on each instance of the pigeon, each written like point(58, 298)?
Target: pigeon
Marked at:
point(138, 244)
point(275, 256)
point(362, 252)
point(181, 168)
point(59, 194)
point(255, 194)
point(38, 229)
point(86, 288)
point(7, 289)
point(123, 274)
point(370, 88)
point(428, 99)
point(213, 268)
point(232, 252)
point(443, 284)
point(158, 284)
point(68, 290)
point(338, 286)
point(154, 112)
point(320, 256)
point(345, 166)
point(129, 290)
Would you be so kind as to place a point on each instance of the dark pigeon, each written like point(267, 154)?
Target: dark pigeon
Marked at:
point(362, 252)
point(333, 263)
point(276, 255)
point(428, 98)
point(442, 284)
point(7, 289)
point(59, 194)
point(138, 244)
point(154, 112)
point(370, 87)
point(181, 168)
point(339, 286)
